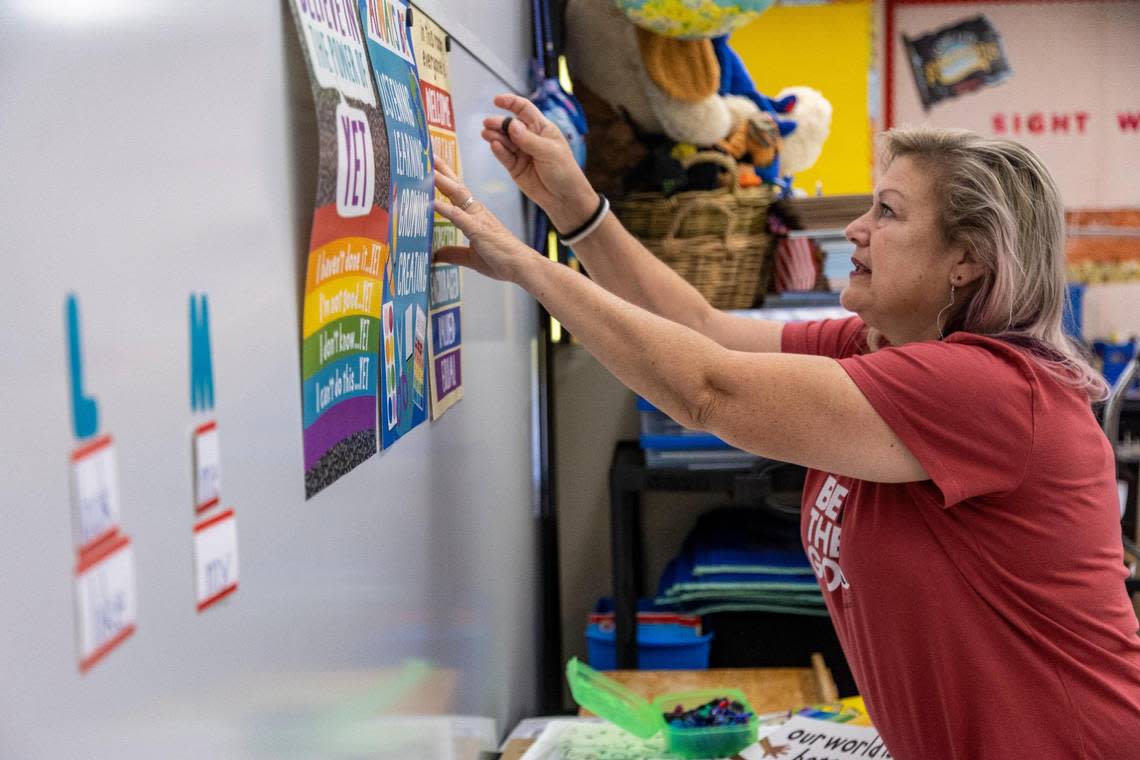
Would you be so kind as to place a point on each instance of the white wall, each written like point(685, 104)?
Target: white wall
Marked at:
point(152, 149)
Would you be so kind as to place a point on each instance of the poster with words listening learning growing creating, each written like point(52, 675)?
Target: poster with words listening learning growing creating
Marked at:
point(348, 247)
point(404, 313)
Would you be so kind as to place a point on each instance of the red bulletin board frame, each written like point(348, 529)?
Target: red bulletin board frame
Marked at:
point(889, 38)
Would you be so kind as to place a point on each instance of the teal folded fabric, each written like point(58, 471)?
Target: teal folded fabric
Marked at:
point(730, 564)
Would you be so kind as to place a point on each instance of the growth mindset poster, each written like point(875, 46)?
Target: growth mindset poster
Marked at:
point(445, 365)
point(404, 314)
point(348, 246)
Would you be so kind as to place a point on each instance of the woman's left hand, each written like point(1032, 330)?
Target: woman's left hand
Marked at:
point(494, 252)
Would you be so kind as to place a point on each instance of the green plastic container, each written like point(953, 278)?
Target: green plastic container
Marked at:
point(608, 699)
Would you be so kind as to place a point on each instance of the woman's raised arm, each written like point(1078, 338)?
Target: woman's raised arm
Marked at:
point(782, 407)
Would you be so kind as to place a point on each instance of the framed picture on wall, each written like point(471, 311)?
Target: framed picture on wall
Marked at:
point(1059, 77)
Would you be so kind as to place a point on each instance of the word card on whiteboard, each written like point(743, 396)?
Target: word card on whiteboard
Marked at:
point(105, 598)
point(216, 558)
point(95, 491)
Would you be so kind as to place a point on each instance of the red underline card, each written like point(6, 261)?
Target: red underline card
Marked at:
point(216, 558)
point(207, 467)
point(105, 598)
point(91, 447)
point(94, 492)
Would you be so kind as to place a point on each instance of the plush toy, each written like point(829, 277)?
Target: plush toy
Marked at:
point(692, 19)
point(735, 80)
point(690, 90)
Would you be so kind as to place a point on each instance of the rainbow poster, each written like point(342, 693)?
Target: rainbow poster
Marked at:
point(348, 248)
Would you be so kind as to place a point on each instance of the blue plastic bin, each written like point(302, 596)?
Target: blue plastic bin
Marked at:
point(659, 647)
point(1115, 357)
point(1073, 318)
point(660, 433)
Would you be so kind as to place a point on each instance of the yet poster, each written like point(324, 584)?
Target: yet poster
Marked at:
point(404, 315)
point(445, 377)
point(348, 246)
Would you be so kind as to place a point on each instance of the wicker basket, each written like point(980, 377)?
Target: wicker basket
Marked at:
point(716, 239)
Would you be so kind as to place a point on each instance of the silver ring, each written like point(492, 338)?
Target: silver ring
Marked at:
point(467, 203)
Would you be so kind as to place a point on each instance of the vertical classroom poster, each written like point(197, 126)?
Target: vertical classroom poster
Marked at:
point(348, 246)
point(404, 316)
point(445, 334)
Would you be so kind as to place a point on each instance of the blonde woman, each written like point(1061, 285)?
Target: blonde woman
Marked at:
point(960, 510)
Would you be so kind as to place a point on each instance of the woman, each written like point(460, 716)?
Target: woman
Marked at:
point(960, 510)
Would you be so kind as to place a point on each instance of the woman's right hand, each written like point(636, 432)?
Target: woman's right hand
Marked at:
point(493, 250)
point(539, 160)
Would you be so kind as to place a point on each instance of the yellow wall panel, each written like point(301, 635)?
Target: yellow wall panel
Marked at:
point(827, 47)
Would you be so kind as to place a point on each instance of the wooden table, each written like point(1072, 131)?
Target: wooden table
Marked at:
point(768, 689)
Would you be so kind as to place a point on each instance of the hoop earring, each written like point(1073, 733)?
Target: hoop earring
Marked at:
point(938, 319)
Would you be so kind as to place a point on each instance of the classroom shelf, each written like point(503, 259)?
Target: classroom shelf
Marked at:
point(629, 478)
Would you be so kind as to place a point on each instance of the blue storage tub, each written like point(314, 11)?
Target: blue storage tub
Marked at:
point(1073, 317)
point(659, 647)
point(1115, 357)
point(660, 433)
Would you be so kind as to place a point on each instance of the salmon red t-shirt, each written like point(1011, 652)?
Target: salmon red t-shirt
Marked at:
point(983, 611)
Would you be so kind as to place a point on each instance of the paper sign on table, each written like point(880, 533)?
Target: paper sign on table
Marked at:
point(574, 739)
point(810, 739)
point(216, 558)
point(105, 598)
point(95, 491)
point(207, 467)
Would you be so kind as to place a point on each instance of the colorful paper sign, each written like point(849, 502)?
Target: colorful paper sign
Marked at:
point(444, 357)
point(348, 247)
point(431, 46)
point(105, 598)
point(216, 558)
point(330, 33)
point(95, 492)
point(446, 339)
point(410, 223)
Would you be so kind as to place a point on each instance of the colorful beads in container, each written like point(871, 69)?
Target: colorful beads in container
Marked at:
point(692, 19)
point(720, 711)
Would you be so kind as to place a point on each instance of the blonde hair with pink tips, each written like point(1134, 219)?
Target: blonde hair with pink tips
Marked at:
point(999, 200)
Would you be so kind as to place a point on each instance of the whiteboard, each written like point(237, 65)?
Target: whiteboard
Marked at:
point(155, 149)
